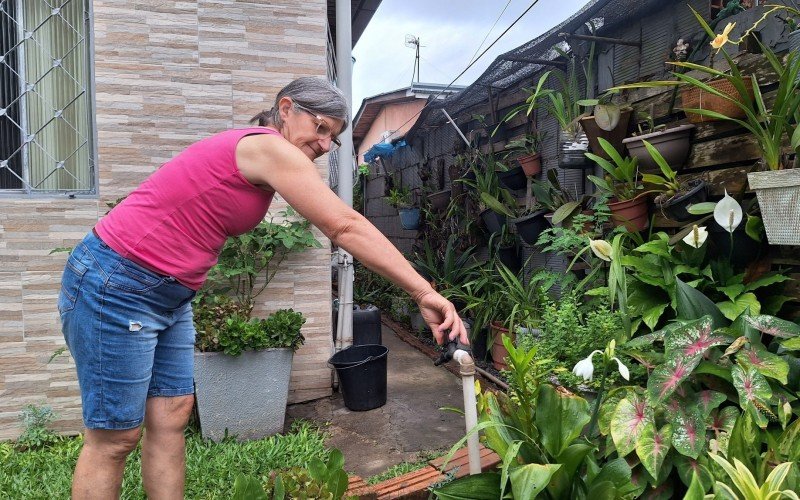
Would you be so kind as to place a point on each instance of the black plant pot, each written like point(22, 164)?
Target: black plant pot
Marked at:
point(509, 257)
point(478, 344)
point(531, 226)
point(745, 248)
point(493, 221)
point(513, 178)
point(675, 208)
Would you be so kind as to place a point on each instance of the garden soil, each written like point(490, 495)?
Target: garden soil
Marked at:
point(412, 421)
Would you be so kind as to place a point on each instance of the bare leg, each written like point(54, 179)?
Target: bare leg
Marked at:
point(164, 447)
point(98, 474)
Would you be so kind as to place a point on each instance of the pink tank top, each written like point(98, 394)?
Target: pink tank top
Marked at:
point(177, 220)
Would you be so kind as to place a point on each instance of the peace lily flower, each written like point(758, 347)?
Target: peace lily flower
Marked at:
point(728, 213)
point(602, 249)
point(722, 38)
point(697, 237)
point(585, 368)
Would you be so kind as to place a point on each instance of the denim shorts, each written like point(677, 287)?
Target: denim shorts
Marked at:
point(130, 332)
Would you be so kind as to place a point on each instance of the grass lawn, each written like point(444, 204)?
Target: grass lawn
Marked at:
point(211, 468)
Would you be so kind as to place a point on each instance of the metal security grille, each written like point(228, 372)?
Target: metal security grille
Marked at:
point(45, 121)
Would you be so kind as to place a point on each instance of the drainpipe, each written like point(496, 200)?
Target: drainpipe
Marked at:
point(344, 80)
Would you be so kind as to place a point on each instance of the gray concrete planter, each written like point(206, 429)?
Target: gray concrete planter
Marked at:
point(244, 394)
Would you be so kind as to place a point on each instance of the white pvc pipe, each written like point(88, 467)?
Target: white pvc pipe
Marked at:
point(470, 408)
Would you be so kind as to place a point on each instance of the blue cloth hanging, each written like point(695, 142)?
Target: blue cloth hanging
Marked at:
point(383, 149)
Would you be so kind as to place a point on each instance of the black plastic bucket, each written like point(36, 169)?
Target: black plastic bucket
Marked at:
point(362, 376)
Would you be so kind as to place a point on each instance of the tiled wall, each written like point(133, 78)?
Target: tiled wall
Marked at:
point(167, 73)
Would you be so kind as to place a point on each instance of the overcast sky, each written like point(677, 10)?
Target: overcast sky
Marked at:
point(450, 33)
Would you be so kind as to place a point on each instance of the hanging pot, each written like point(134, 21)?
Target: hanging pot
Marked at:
point(630, 213)
point(509, 257)
point(615, 136)
point(674, 145)
point(439, 200)
point(675, 207)
point(512, 179)
point(778, 193)
point(409, 218)
point(531, 164)
point(531, 226)
point(493, 221)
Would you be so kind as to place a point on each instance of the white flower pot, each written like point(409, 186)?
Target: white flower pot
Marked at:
point(778, 194)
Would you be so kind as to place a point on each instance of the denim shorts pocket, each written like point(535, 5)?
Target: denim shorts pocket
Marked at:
point(71, 281)
point(130, 277)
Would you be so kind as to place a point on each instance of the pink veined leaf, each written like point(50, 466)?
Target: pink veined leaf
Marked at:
point(692, 339)
point(773, 326)
point(667, 377)
point(631, 417)
point(766, 363)
point(652, 448)
point(754, 392)
point(709, 400)
point(689, 436)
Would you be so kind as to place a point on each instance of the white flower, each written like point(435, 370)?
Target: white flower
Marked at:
point(602, 249)
point(584, 368)
point(623, 370)
point(728, 213)
point(696, 237)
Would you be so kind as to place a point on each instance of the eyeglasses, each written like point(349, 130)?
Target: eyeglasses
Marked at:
point(324, 130)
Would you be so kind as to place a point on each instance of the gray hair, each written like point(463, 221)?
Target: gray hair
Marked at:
point(316, 94)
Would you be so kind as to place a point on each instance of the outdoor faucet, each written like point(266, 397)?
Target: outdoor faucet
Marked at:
point(461, 353)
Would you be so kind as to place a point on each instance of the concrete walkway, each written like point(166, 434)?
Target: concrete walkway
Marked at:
point(411, 421)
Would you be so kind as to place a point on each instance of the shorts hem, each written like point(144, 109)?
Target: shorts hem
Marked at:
point(115, 426)
point(183, 391)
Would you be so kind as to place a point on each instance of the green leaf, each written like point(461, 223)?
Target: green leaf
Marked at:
point(483, 486)
point(754, 227)
point(509, 459)
point(696, 490)
point(754, 392)
point(666, 378)
point(529, 480)
point(571, 413)
point(688, 468)
point(616, 472)
point(792, 344)
point(248, 488)
point(692, 304)
point(652, 448)
point(705, 207)
point(732, 291)
point(745, 301)
point(629, 422)
point(652, 315)
point(721, 423)
point(570, 460)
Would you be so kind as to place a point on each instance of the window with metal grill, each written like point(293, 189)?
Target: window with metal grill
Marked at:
point(45, 108)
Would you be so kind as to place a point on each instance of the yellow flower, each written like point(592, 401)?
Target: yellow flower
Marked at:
point(722, 39)
point(602, 249)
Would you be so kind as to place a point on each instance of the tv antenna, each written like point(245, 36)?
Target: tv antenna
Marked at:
point(413, 41)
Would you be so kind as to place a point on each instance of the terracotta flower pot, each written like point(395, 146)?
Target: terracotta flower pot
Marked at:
point(499, 351)
point(630, 213)
point(531, 164)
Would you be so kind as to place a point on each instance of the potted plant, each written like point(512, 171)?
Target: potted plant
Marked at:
point(674, 196)
point(486, 185)
point(673, 144)
point(564, 106)
point(529, 219)
point(232, 346)
point(526, 150)
point(400, 198)
point(628, 208)
point(608, 120)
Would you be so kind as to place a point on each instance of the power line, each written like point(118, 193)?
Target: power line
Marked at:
point(490, 30)
point(465, 69)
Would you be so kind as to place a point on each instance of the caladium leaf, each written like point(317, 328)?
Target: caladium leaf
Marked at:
point(609, 406)
point(667, 377)
point(774, 326)
point(754, 393)
point(652, 447)
point(688, 467)
point(768, 364)
point(709, 400)
point(631, 418)
point(692, 340)
point(721, 423)
point(689, 436)
point(646, 340)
